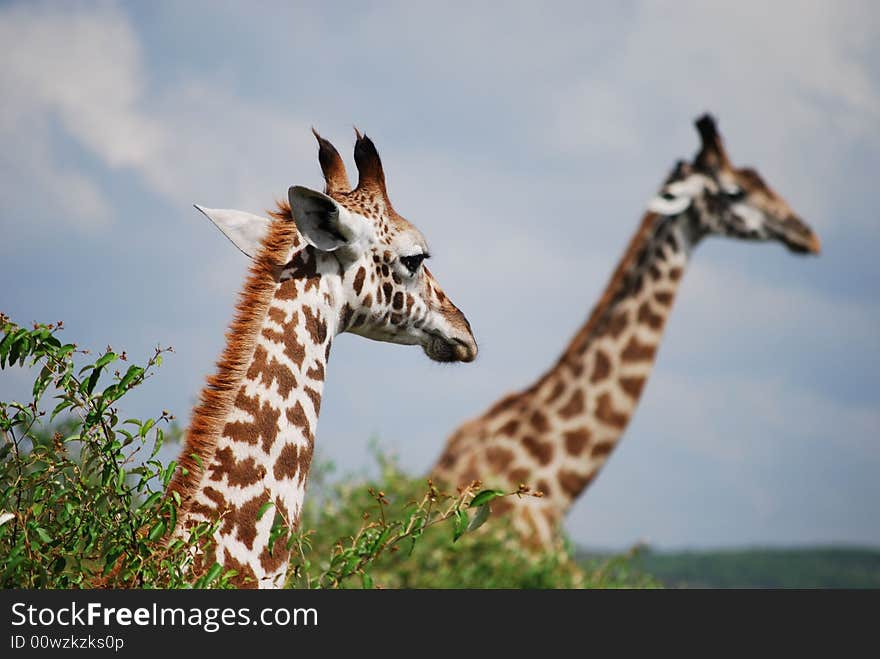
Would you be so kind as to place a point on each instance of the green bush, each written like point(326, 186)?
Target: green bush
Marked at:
point(82, 501)
point(339, 515)
point(81, 497)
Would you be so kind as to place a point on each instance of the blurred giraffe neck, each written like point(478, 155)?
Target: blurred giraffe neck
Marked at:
point(556, 435)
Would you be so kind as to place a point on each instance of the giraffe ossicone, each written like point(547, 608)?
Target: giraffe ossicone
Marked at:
point(557, 434)
point(324, 263)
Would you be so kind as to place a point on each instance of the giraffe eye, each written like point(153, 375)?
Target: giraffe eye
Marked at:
point(413, 262)
point(735, 194)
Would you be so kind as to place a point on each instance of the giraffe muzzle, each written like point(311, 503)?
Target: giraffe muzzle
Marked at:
point(797, 235)
point(440, 349)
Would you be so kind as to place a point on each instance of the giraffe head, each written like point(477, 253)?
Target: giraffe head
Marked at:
point(731, 201)
point(374, 257)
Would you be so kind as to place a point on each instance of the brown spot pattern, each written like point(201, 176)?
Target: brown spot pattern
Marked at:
point(618, 323)
point(315, 397)
point(576, 441)
point(264, 425)
point(245, 577)
point(574, 406)
point(271, 370)
point(509, 428)
point(636, 351)
point(315, 326)
point(556, 391)
point(359, 280)
point(297, 416)
point(277, 315)
point(294, 350)
point(293, 460)
point(648, 317)
point(632, 386)
point(239, 473)
point(519, 475)
point(541, 451)
point(602, 449)
point(242, 520)
point(316, 372)
point(572, 483)
point(601, 368)
point(499, 458)
point(606, 413)
point(539, 421)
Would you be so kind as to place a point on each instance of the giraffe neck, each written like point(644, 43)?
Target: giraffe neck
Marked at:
point(556, 435)
point(261, 446)
point(592, 391)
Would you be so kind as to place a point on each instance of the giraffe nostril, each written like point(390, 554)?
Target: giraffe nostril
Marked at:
point(465, 351)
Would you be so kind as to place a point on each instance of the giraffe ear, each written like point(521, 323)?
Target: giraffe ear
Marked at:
point(245, 230)
point(322, 221)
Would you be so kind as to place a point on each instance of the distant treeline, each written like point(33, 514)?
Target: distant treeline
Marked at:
point(806, 567)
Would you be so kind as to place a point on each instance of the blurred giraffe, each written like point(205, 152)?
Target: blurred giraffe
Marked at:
point(556, 435)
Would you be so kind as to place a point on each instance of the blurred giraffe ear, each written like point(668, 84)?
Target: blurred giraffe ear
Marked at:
point(711, 155)
point(245, 230)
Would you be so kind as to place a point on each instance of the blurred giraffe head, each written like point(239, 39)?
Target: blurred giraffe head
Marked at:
point(731, 201)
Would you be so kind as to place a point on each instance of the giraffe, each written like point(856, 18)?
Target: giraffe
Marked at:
point(557, 434)
point(325, 263)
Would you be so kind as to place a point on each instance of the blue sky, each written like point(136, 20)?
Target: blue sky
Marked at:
point(524, 144)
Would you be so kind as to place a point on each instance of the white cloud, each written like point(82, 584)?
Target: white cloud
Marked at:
point(725, 301)
point(83, 71)
point(788, 81)
point(84, 68)
point(191, 142)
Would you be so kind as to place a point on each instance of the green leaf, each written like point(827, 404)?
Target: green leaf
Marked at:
point(5, 344)
point(65, 350)
point(110, 394)
point(213, 573)
point(485, 497)
point(460, 525)
point(130, 375)
point(42, 382)
point(145, 428)
point(366, 581)
point(63, 405)
point(169, 472)
point(106, 359)
point(480, 518)
point(27, 343)
point(15, 349)
point(89, 385)
point(41, 533)
point(263, 509)
point(157, 530)
point(153, 498)
point(110, 560)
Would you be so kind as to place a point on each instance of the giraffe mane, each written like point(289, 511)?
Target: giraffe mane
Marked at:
point(282, 210)
point(218, 395)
